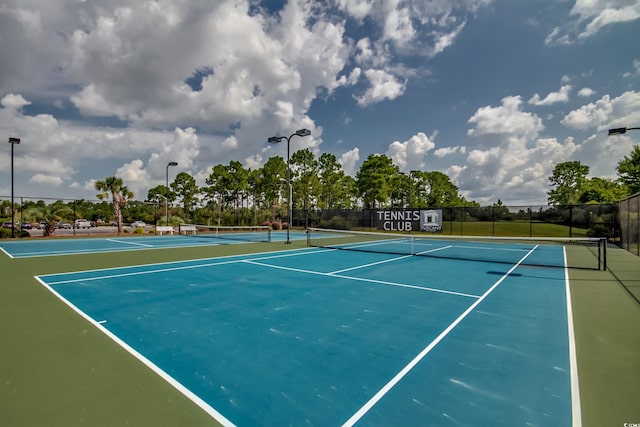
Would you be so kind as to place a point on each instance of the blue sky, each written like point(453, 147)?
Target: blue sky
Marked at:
point(493, 93)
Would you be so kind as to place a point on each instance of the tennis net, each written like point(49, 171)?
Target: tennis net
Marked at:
point(241, 233)
point(586, 253)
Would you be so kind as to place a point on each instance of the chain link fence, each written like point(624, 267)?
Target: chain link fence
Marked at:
point(523, 221)
point(629, 222)
point(618, 222)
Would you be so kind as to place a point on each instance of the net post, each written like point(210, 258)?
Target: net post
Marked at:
point(269, 234)
point(308, 231)
point(604, 253)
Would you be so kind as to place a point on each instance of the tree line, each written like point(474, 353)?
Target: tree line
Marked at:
point(234, 194)
point(316, 183)
point(570, 184)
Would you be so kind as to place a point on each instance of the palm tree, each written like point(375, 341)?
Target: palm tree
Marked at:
point(119, 195)
point(49, 215)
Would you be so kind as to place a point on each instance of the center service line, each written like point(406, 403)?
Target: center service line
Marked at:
point(129, 243)
point(384, 390)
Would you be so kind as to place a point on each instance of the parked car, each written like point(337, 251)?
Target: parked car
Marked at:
point(81, 223)
point(6, 224)
point(26, 226)
point(64, 225)
point(138, 224)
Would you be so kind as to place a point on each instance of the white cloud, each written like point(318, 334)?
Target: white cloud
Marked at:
point(135, 178)
point(600, 14)
point(553, 97)
point(448, 151)
point(348, 161)
point(14, 101)
point(589, 17)
point(418, 26)
point(230, 142)
point(517, 169)
point(606, 112)
point(136, 62)
point(238, 73)
point(507, 119)
point(383, 85)
point(359, 9)
point(515, 164)
point(586, 92)
point(636, 69)
point(253, 162)
point(444, 40)
point(41, 178)
point(398, 26)
point(556, 37)
point(91, 101)
point(410, 154)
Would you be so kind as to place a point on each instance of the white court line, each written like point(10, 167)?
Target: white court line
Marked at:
point(576, 410)
point(6, 253)
point(402, 285)
point(436, 249)
point(360, 279)
point(163, 270)
point(348, 246)
point(155, 368)
point(129, 243)
point(65, 252)
point(139, 273)
point(384, 390)
point(357, 267)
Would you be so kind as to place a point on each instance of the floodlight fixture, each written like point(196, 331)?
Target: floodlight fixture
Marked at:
point(620, 131)
point(275, 140)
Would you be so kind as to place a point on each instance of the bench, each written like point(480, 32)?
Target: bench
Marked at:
point(164, 229)
point(187, 229)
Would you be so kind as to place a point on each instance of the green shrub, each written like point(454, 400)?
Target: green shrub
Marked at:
point(337, 223)
point(5, 233)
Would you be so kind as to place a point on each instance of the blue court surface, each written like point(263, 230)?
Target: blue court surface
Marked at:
point(37, 247)
point(324, 337)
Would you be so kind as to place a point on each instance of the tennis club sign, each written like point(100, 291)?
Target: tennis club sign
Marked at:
point(409, 220)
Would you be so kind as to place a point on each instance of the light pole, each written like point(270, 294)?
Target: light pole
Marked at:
point(275, 140)
point(12, 141)
point(620, 131)
point(166, 199)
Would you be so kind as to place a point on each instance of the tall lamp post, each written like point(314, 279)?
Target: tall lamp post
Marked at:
point(166, 199)
point(275, 140)
point(12, 141)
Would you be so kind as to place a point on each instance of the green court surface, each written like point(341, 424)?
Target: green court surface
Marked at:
point(57, 369)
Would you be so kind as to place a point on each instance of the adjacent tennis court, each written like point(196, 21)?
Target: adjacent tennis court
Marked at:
point(55, 247)
point(321, 336)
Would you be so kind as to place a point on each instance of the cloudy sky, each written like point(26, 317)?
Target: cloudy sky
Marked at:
point(493, 93)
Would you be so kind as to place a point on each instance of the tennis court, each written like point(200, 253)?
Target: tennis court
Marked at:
point(323, 336)
point(54, 247)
